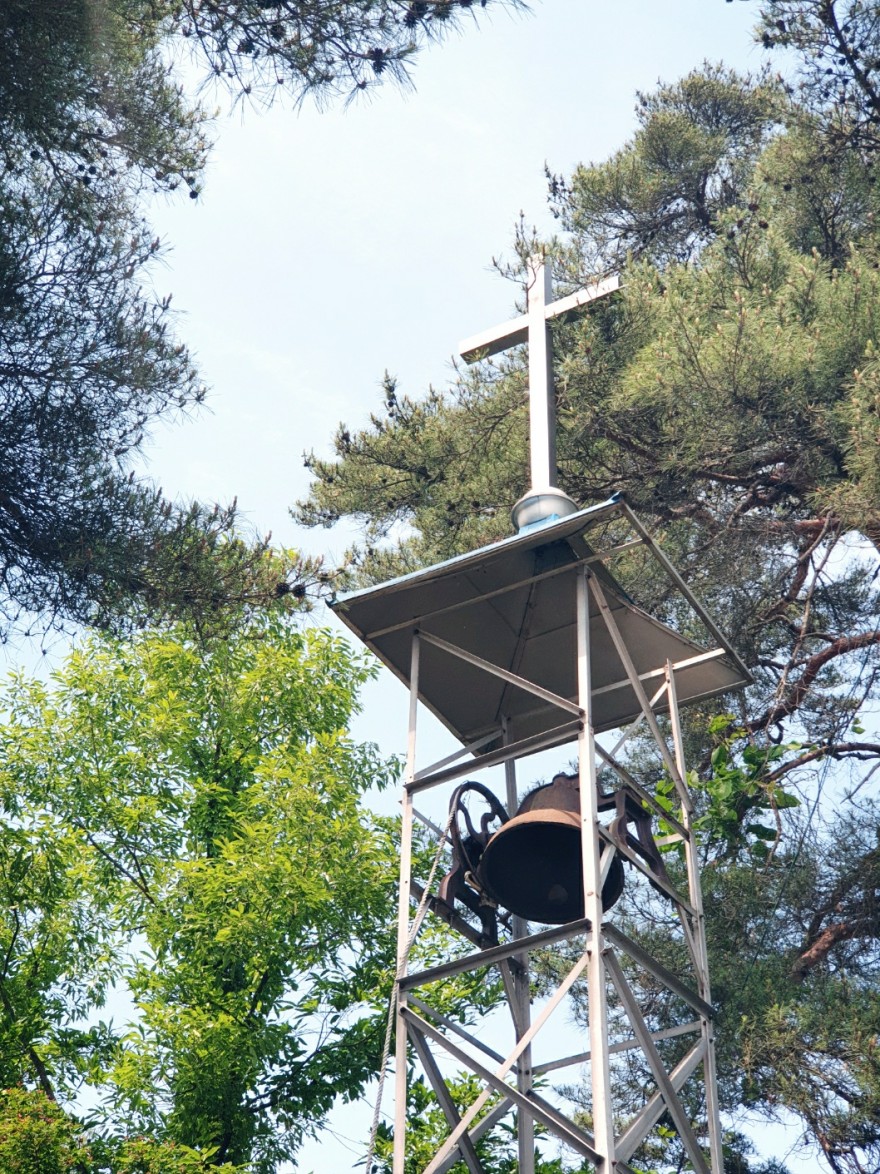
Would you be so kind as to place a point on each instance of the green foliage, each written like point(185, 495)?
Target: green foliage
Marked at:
point(36, 1137)
point(836, 50)
point(182, 818)
point(106, 108)
point(141, 1155)
point(691, 159)
point(739, 791)
point(794, 950)
point(88, 360)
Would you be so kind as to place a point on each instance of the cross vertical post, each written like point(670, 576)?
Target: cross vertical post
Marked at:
point(542, 397)
point(544, 501)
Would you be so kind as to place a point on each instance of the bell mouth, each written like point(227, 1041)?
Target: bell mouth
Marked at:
point(532, 867)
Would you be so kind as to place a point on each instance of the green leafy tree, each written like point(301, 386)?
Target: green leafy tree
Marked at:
point(692, 157)
point(730, 392)
point(38, 1137)
point(182, 821)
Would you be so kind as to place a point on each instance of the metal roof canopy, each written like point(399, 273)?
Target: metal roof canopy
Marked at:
point(512, 605)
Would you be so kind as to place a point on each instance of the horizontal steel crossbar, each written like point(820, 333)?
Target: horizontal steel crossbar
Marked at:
point(495, 954)
point(651, 964)
point(626, 1045)
point(558, 736)
point(456, 755)
point(653, 674)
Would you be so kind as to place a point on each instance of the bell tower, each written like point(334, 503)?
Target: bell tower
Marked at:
point(526, 646)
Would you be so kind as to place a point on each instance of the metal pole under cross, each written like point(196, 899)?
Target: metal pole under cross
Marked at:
point(544, 499)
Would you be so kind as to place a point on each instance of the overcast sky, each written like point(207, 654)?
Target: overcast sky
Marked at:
point(330, 245)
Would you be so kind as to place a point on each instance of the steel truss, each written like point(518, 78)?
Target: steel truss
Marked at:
point(604, 955)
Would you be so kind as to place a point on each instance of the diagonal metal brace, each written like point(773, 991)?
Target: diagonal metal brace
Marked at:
point(661, 1076)
point(441, 1091)
point(570, 1133)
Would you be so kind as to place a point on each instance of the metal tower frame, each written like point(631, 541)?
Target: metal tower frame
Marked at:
point(524, 646)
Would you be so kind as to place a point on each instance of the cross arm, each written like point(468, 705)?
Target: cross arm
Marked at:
point(516, 330)
point(563, 307)
point(495, 339)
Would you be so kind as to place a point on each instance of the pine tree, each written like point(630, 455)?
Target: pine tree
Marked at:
point(92, 118)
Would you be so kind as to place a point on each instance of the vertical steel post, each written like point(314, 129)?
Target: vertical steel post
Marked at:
point(406, 831)
point(600, 1072)
point(525, 1124)
point(695, 894)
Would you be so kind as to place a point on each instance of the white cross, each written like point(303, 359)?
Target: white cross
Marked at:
point(533, 328)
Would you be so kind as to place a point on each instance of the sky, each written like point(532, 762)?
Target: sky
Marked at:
point(330, 245)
